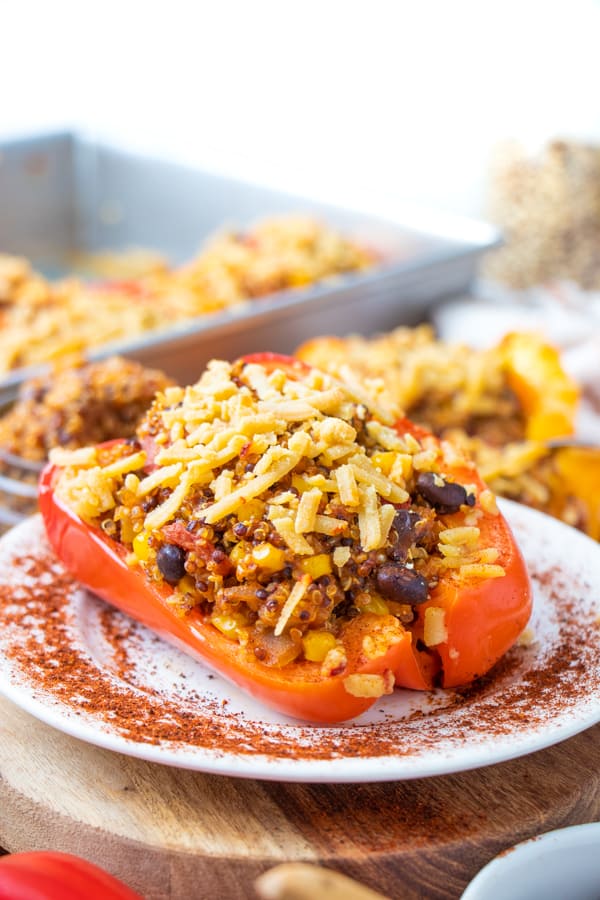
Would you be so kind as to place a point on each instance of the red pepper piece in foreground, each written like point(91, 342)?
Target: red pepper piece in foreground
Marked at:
point(46, 875)
point(483, 616)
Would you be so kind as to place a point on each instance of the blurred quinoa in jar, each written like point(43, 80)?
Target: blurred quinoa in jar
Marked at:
point(548, 206)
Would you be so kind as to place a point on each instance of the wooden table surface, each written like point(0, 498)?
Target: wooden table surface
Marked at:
point(171, 833)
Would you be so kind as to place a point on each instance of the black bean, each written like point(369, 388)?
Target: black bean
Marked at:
point(402, 585)
point(445, 496)
point(170, 560)
point(261, 594)
point(240, 530)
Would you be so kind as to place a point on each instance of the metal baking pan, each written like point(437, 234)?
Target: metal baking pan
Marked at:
point(64, 194)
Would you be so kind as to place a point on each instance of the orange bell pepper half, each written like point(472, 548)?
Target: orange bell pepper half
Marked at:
point(483, 616)
point(548, 396)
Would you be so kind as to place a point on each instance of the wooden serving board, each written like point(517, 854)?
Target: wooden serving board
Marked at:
point(171, 833)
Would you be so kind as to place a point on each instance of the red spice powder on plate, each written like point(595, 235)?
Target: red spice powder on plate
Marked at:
point(87, 660)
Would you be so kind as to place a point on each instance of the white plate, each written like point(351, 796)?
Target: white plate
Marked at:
point(62, 650)
point(553, 866)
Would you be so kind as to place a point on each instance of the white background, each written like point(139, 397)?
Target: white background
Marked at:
point(398, 99)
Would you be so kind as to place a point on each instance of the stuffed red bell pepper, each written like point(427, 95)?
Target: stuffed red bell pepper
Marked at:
point(271, 522)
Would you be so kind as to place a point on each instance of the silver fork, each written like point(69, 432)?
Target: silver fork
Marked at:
point(18, 488)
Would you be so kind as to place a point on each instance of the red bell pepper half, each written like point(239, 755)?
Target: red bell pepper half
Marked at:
point(46, 875)
point(483, 616)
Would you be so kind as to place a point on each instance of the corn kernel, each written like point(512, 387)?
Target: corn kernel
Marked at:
point(384, 461)
point(375, 604)
point(318, 565)
point(317, 644)
point(140, 546)
point(186, 585)
point(230, 625)
point(252, 509)
point(268, 557)
point(238, 553)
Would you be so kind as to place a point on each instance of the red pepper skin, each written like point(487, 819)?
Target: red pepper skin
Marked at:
point(483, 617)
point(130, 286)
point(289, 364)
point(46, 875)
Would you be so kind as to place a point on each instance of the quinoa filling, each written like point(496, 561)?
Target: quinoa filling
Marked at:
point(282, 504)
